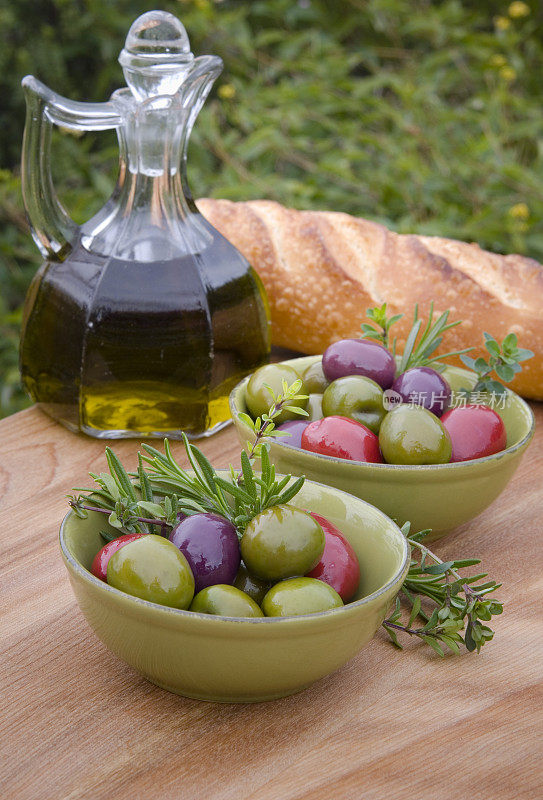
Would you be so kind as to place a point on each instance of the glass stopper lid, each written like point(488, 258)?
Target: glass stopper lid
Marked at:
point(156, 55)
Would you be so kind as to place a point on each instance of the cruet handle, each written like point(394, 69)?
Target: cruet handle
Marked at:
point(52, 228)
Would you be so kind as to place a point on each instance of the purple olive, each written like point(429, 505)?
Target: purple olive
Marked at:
point(295, 428)
point(210, 544)
point(424, 387)
point(359, 357)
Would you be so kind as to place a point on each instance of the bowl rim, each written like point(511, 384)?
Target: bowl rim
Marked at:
point(88, 577)
point(457, 465)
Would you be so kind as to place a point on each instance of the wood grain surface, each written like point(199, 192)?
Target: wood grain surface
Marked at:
point(76, 722)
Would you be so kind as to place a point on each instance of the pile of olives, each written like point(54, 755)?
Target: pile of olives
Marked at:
point(288, 562)
point(359, 409)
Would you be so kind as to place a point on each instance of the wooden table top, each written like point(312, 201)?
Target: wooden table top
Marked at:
point(76, 722)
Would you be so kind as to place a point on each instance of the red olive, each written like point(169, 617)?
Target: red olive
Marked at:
point(338, 566)
point(101, 559)
point(476, 431)
point(343, 438)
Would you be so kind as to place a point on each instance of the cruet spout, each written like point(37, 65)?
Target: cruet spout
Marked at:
point(197, 85)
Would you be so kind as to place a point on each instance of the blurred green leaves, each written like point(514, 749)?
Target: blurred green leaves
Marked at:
point(424, 116)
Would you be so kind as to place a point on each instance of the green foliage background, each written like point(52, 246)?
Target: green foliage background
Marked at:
point(426, 116)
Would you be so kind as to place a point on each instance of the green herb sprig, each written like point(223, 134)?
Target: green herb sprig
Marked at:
point(457, 603)
point(115, 495)
point(263, 427)
point(505, 361)
point(418, 351)
point(239, 499)
point(379, 330)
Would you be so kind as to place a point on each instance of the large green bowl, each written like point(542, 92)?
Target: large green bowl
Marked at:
point(438, 496)
point(243, 660)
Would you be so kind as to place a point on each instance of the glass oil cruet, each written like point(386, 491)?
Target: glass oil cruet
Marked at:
point(140, 321)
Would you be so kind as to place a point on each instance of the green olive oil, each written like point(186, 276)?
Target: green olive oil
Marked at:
point(120, 348)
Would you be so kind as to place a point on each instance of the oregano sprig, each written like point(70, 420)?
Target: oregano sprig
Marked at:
point(263, 427)
point(458, 603)
point(505, 361)
point(379, 330)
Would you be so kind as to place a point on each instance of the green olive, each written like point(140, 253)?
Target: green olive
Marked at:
point(280, 542)
point(314, 408)
point(258, 397)
point(154, 569)
point(356, 397)
point(300, 596)
point(313, 378)
point(254, 587)
point(413, 435)
point(225, 601)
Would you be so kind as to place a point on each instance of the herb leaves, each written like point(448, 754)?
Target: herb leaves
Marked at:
point(457, 604)
point(505, 361)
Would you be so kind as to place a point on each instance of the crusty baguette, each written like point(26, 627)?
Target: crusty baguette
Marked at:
point(322, 270)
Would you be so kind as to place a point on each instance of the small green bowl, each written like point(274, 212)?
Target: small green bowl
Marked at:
point(243, 660)
point(437, 496)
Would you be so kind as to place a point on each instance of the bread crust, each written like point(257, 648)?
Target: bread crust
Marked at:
point(322, 270)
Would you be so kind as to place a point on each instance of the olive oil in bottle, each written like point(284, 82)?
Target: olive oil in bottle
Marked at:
point(140, 322)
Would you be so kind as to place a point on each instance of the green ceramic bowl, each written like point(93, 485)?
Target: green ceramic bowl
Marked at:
point(439, 496)
point(243, 660)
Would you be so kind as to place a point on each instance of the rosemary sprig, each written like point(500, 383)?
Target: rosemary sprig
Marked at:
point(504, 361)
point(239, 499)
point(457, 604)
point(115, 495)
point(418, 351)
